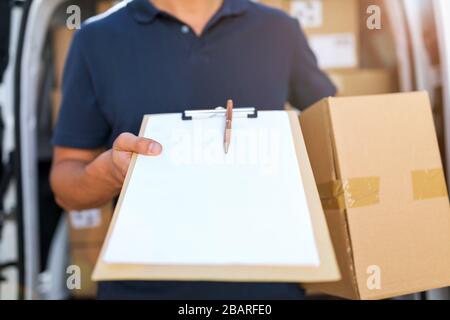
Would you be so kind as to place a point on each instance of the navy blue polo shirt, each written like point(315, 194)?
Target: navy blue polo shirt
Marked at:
point(138, 60)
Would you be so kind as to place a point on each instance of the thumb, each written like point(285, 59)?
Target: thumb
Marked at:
point(128, 142)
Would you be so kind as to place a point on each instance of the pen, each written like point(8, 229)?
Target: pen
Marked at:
point(228, 121)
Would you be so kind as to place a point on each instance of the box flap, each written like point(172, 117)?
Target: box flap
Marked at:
point(317, 130)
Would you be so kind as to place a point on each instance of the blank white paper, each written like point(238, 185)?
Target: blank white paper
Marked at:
point(196, 205)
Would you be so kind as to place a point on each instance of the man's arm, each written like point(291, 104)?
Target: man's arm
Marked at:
point(84, 179)
point(308, 84)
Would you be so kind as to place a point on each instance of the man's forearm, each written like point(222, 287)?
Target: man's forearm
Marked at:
point(85, 179)
point(82, 185)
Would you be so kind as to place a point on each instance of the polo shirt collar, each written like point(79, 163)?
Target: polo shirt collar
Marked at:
point(143, 11)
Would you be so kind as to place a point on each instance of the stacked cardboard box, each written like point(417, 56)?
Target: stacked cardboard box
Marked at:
point(104, 5)
point(332, 28)
point(61, 39)
point(377, 166)
point(364, 81)
point(87, 230)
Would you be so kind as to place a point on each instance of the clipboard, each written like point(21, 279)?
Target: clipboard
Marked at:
point(326, 270)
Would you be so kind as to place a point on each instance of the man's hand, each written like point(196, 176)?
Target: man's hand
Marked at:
point(83, 179)
point(122, 151)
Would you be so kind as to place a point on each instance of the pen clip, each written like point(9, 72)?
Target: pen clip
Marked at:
point(219, 111)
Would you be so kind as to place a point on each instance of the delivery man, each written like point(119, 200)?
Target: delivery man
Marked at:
point(162, 56)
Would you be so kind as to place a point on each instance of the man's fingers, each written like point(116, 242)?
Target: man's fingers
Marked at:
point(131, 143)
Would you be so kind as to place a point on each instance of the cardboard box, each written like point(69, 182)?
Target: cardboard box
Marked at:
point(87, 231)
point(332, 28)
point(378, 47)
point(62, 38)
point(56, 104)
point(364, 81)
point(85, 258)
point(89, 227)
point(379, 173)
point(104, 5)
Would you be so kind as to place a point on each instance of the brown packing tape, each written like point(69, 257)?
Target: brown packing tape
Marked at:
point(428, 184)
point(350, 193)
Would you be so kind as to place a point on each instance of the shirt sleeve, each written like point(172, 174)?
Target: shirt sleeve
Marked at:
point(81, 123)
point(308, 84)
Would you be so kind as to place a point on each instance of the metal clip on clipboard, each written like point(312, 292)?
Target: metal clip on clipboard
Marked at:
point(219, 111)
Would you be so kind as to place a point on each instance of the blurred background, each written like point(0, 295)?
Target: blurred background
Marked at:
point(371, 47)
